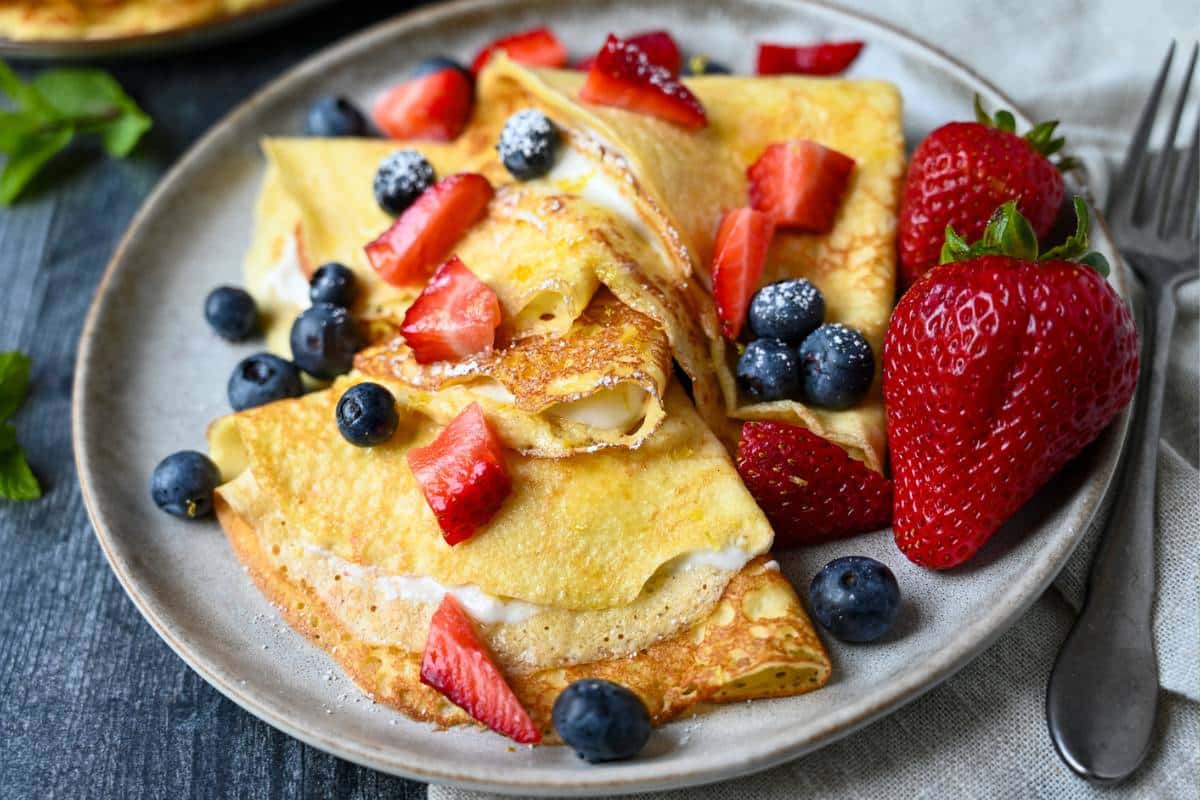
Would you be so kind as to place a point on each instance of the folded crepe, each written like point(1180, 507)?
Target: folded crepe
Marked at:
point(633, 204)
point(643, 566)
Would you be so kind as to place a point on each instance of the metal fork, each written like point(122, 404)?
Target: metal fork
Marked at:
point(1103, 691)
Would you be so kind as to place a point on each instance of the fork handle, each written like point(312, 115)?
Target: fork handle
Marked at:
point(1103, 690)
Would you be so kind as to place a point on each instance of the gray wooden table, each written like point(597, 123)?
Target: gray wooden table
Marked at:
point(92, 703)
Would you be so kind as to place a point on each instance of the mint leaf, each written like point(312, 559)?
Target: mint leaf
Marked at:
point(14, 383)
point(45, 114)
point(17, 481)
point(97, 104)
point(29, 156)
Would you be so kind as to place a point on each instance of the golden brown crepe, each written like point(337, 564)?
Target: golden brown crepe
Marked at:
point(79, 20)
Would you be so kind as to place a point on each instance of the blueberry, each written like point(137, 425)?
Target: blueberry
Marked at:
point(856, 598)
point(324, 340)
point(703, 65)
point(436, 64)
point(769, 370)
point(231, 312)
point(333, 283)
point(262, 378)
point(528, 144)
point(366, 415)
point(335, 116)
point(837, 365)
point(183, 483)
point(601, 720)
point(401, 179)
point(788, 310)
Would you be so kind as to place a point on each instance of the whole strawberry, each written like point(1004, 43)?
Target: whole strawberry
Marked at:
point(964, 171)
point(998, 368)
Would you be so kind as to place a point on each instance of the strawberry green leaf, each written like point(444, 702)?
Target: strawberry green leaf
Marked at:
point(954, 248)
point(1009, 233)
point(24, 96)
point(1098, 262)
point(14, 383)
point(1076, 244)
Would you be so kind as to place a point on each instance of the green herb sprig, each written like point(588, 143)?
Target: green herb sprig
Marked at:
point(44, 115)
point(17, 481)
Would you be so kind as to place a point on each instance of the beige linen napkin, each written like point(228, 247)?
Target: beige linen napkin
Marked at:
point(982, 734)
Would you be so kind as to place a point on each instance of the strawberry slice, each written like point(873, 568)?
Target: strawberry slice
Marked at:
point(623, 76)
point(422, 237)
point(823, 58)
point(800, 184)
point(435, 106)
point(810, 489)
point(462, 474)
point(659, 46)
point(458, 665)
point(455, 316)
point(738, 258)
point(534, 48)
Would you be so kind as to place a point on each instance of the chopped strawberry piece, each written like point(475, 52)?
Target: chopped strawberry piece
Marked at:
point(823, 58)
point(455, 316)
point(435, 106)
point(810, 489)
point(800, 184)
point(462, 474)
point(458, 665)
point(422, 237)
point(738, 258)
point(660, 48)
point(535, 48)
point(623, 76)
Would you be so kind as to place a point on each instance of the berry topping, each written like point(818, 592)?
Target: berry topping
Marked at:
point(738, 258)
point(998, 369)
point(324, 340)
point(855, 598)
point(260, 379)
point(769, 369)
point(660, 48)
point(810, 489)
point(435, 106)
point(535, 48)
point(800, 184)
point(457, 663)
point(333, 283)
point(183, 483)
point(789, 310)
point(601, 720)
point(435, 64)
point(455, 316)
point(401, 179)
point(703, 65)
point(824, 58)
point(366, 415)
point(335, 116)
point(838, 366)
point(462, 475)
point(623, 76)
point(231, 312)
point(423, 236)
point(963, 171)
point(528, 144)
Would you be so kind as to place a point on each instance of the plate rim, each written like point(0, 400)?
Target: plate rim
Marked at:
point(972, 641)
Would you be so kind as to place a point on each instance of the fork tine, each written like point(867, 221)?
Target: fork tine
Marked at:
point(1124, 189)
point(1188, 214)
point(1162, 195)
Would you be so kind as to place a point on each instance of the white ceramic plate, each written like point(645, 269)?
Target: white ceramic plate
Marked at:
point(151, 376)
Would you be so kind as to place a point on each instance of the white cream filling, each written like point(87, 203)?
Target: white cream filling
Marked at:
point(286, 281)
point(485, 607)
point(577, 174)
point(616, 408)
